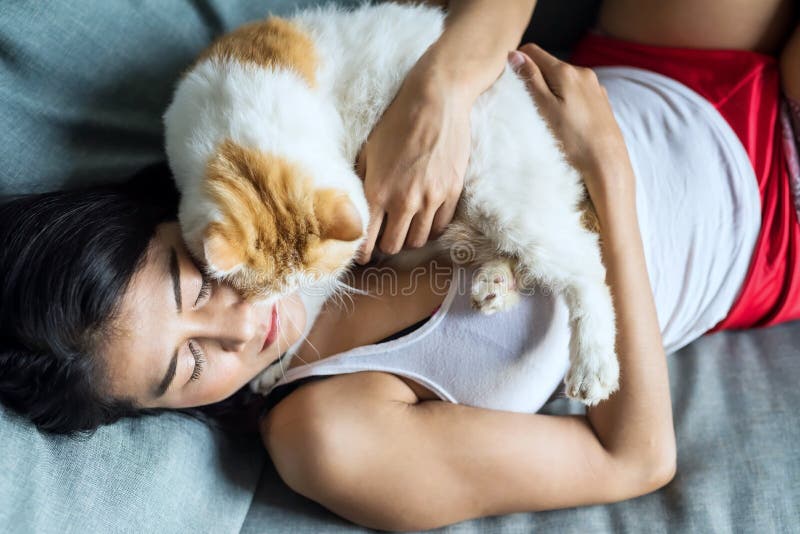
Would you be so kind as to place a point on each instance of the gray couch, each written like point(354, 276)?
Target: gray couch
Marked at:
point(82, 88)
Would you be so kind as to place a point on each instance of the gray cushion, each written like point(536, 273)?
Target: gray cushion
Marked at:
point(83, 84)
point(167, 473)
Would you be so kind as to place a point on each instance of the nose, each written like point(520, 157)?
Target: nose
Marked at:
point(231, 320)
point(239, 327)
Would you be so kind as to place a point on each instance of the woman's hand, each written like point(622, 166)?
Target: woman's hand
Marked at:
point(576, 107)
point(414, 161)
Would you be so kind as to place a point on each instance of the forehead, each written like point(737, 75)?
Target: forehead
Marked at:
point(136, 351)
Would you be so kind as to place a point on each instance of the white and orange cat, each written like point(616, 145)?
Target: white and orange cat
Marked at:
point(262, 135)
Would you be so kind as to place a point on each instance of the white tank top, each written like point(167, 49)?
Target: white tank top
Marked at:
point(699, 213)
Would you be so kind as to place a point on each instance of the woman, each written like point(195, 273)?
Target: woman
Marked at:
point(377, 447)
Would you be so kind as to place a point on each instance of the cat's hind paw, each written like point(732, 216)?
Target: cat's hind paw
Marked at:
point(493, 287)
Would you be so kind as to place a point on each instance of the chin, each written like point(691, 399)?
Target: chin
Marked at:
point(292, 317)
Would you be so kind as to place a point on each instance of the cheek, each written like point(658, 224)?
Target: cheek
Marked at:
point(229, 373)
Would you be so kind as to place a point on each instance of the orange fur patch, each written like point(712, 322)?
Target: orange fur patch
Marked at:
point(273, 43)
point(274, 223)
point(337, 216)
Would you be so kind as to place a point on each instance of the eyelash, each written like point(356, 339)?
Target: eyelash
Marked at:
point(199, 361)
point(205, 289)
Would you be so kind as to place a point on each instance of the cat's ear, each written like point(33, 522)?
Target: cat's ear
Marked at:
point(222, 256)
point(337, 215)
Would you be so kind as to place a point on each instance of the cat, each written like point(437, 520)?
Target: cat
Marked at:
point(262, 135)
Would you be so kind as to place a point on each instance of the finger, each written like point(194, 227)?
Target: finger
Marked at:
point(443, 216)
point(375, 220)
point(394, 235)
point(420, 229)
point(531, 75)
point(551, 68)
point(544, 60)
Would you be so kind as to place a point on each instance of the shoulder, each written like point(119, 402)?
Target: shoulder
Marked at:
point(322, 420)
point(335, 395)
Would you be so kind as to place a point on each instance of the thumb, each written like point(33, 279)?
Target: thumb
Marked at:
point(376, 214)
point(532, 75)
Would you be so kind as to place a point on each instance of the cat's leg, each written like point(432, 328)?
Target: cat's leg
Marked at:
point(576, 271)
point(264, 381)
point(594, 369)
point(561, 256)
point(494, 285)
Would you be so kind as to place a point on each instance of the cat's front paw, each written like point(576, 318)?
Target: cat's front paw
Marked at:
point(593, 378)
point(493, 287)
point(263, 382)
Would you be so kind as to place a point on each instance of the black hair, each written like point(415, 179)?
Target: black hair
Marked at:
point(67, 258)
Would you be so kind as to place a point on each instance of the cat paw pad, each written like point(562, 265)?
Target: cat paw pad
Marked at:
point(493, 287)
point(593, 379)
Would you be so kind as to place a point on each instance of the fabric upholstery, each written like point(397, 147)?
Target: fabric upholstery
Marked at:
point(167, 473)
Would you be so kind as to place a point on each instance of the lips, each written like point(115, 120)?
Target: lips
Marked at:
point(272, 334)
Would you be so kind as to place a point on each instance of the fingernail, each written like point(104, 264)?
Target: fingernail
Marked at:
point(515, 59)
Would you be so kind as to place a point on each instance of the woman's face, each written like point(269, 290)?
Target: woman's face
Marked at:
point(211, 338)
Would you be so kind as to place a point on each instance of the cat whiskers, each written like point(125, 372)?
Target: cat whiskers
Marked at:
point(340, 291)
point(304, 338)
point(343, 289)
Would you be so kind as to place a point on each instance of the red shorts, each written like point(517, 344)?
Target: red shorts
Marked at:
point(745, 88)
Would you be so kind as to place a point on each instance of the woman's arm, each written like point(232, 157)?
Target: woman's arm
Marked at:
point(363, 446)
point(637, 420)
point(414, 161)
point(471, 53)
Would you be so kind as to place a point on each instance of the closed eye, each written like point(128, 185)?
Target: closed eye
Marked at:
point(205, 288)
point(199, 360)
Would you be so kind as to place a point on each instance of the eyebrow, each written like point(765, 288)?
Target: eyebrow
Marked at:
point(175, 274)
point(168, 377)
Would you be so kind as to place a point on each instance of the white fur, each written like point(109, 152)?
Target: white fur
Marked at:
point(520, 195)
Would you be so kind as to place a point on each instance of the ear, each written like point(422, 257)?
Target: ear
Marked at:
point(337, 215)
point(222, 255)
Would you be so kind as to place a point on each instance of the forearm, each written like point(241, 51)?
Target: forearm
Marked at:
point(399, 466)
point(487, 30)
point(635, 424)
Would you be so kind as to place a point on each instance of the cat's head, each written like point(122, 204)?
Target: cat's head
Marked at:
point(271, 229)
